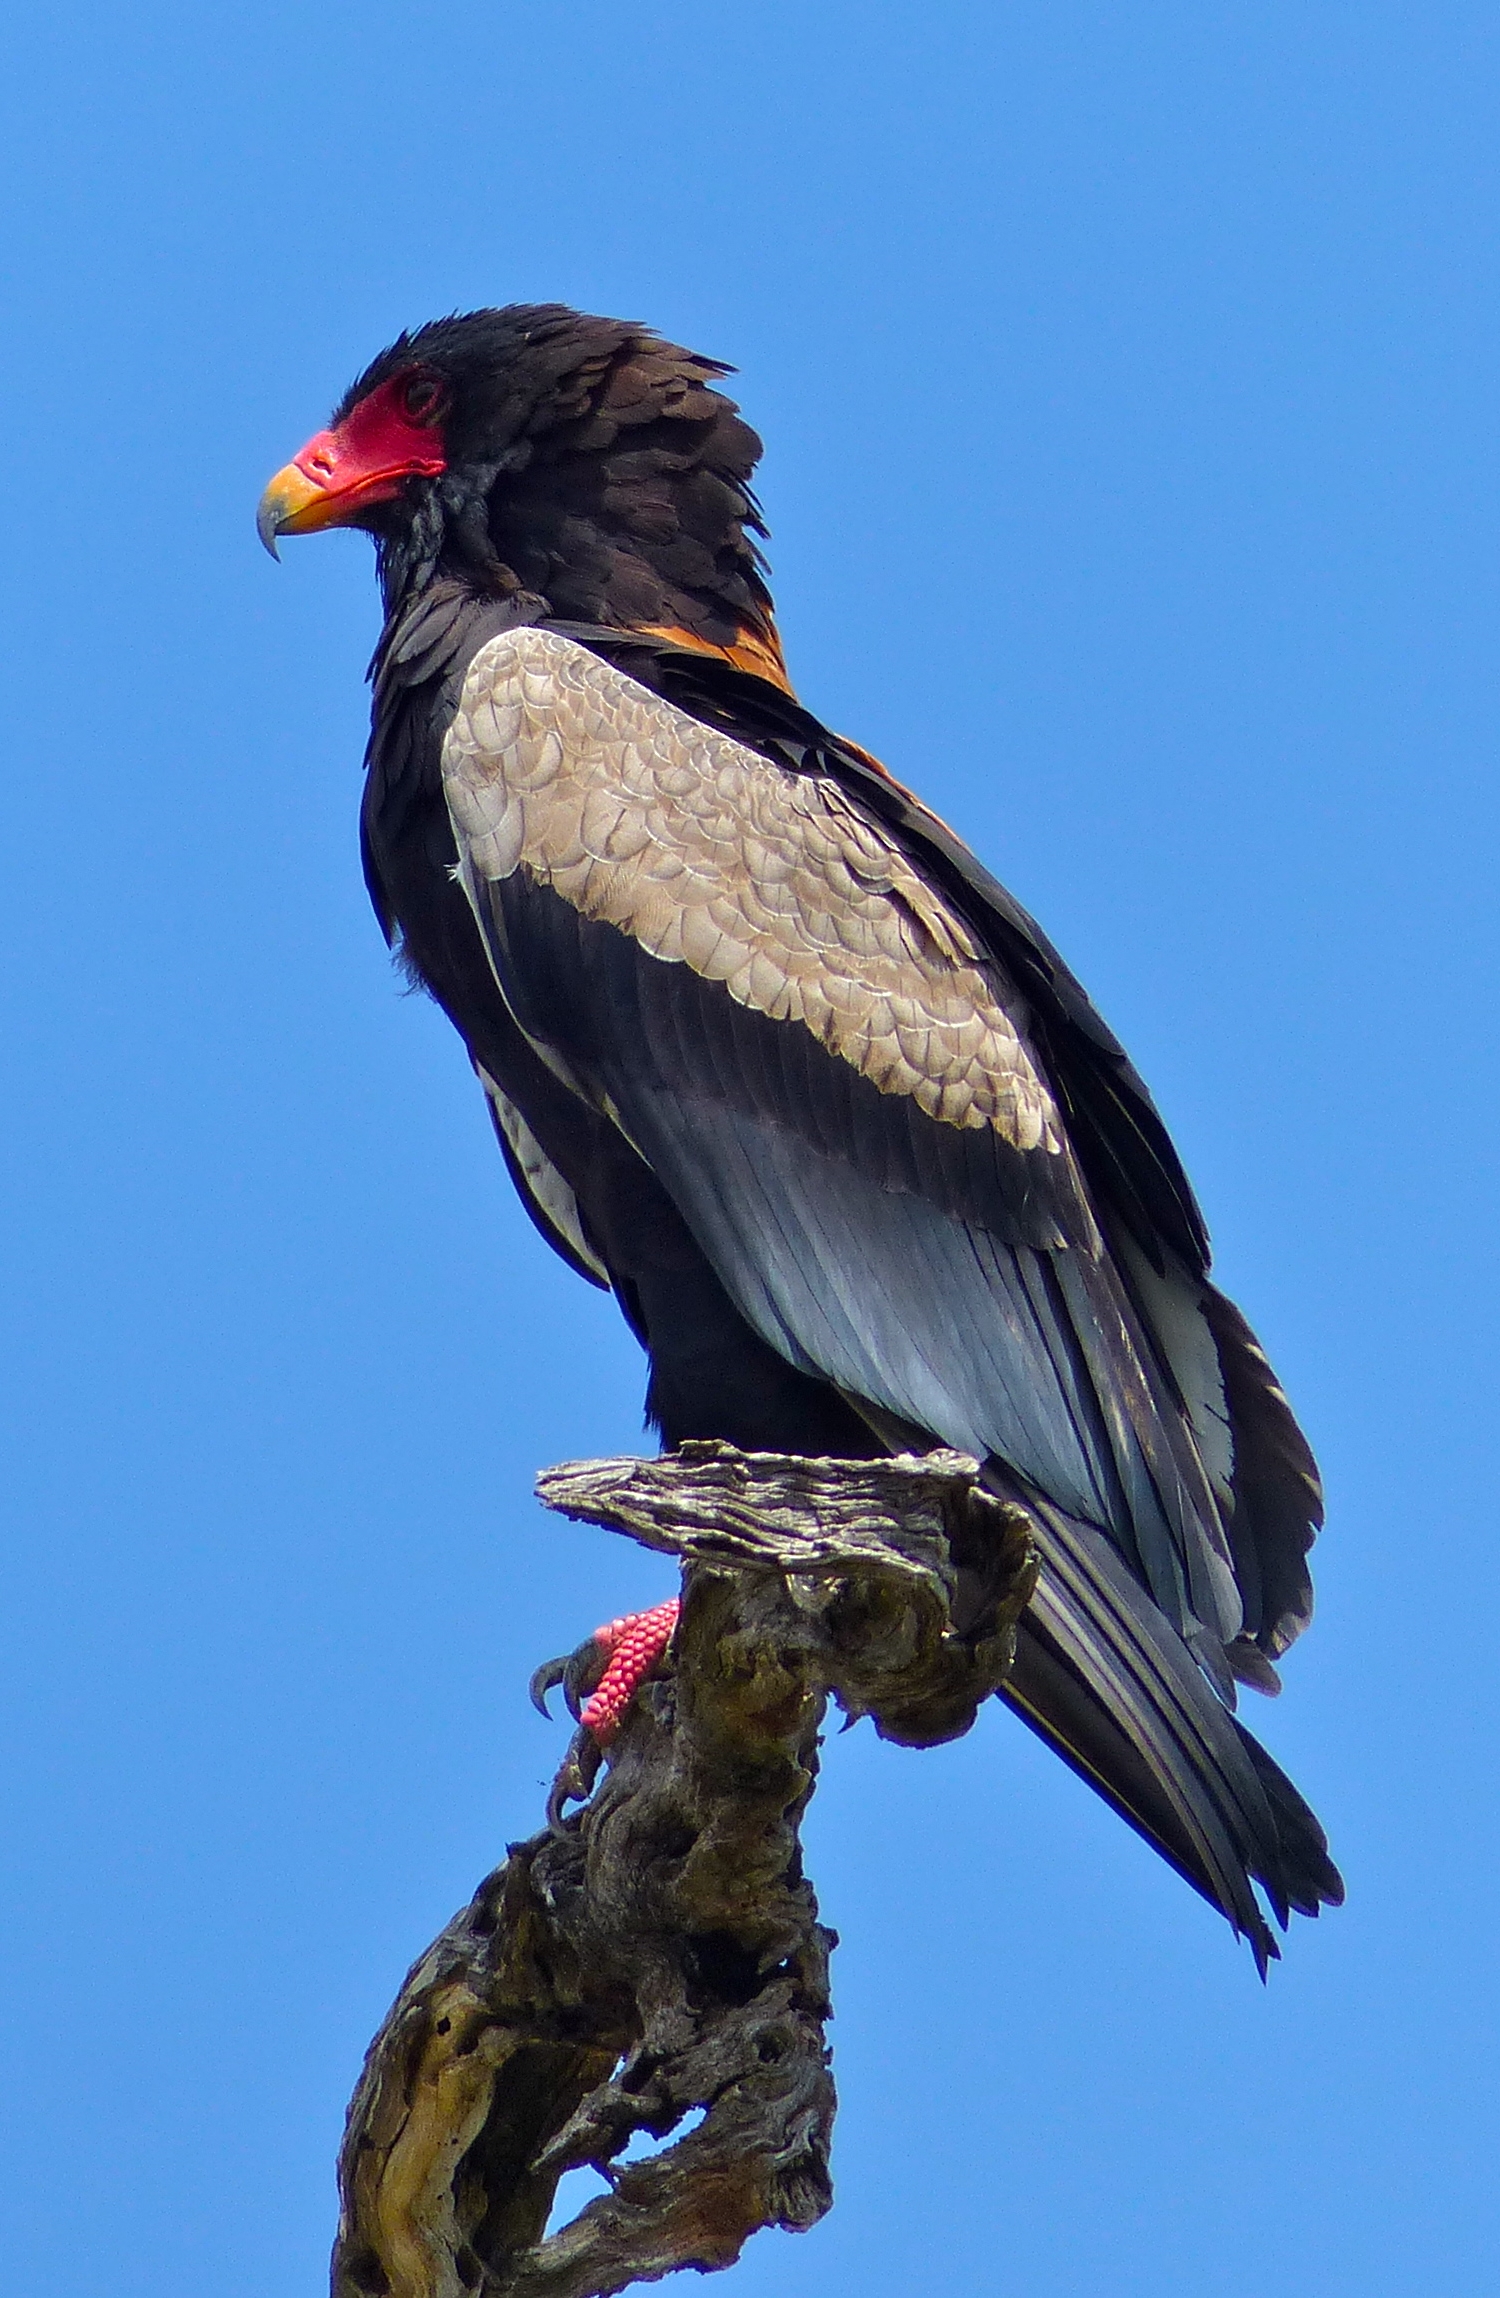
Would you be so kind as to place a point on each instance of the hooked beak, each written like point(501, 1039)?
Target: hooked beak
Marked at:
point(293, 504)
point(366, 459)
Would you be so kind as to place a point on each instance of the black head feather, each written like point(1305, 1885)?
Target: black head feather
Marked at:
point(589, 462)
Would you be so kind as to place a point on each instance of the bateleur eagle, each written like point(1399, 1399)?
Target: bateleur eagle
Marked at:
point(772, 1057)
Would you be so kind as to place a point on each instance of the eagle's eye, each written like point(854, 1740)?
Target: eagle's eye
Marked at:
point(424, 398)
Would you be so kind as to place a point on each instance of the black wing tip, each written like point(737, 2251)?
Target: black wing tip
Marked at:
point(1104, 1679)
point(1306, 1879)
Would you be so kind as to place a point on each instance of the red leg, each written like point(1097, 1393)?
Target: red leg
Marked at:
point(634, 1645)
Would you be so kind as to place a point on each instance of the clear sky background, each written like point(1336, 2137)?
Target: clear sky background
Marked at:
point(1129, 377)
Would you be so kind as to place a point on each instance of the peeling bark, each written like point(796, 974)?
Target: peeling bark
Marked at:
point(662, 1952)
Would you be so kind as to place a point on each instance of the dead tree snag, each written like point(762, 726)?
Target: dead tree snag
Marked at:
point(661, 1953)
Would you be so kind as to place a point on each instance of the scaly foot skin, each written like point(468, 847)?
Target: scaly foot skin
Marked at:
point(634, 1644)
point(599, 1682)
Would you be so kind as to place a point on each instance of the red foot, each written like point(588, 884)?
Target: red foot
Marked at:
point(634, 1645)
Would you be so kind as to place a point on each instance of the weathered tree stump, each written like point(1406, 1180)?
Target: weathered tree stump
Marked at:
point(662, 1952)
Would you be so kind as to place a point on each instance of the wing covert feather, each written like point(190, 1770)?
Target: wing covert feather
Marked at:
point(807, 1044)
point(709, 855)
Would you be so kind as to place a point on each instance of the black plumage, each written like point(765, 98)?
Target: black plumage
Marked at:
point(754, 1116)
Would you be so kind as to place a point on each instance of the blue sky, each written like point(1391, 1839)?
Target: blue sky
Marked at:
point(1129, 377)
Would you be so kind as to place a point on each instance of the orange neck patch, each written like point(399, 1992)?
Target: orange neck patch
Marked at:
point(761, 656)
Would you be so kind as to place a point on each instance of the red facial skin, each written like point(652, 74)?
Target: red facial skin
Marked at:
point(367, 459)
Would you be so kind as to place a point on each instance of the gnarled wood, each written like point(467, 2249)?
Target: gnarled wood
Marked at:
point(662, 1953)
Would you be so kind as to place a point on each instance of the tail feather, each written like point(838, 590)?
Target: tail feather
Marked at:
point(1108, 1683)
point(1313, 1880)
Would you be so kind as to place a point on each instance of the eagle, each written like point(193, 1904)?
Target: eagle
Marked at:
point(774, 1059)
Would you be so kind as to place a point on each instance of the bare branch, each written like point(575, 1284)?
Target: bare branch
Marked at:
point(662, 1954)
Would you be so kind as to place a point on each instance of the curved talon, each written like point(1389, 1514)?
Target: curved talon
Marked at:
point(574, 1673)
point(575, 1781)
point(546, 1679)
